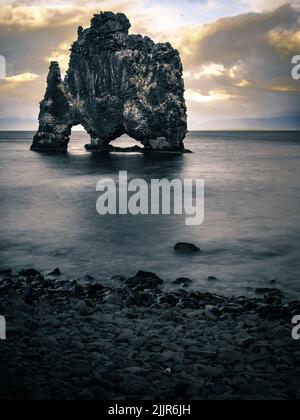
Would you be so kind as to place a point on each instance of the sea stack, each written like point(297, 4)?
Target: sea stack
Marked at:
point(116, 84)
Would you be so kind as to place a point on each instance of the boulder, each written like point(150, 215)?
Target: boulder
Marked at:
point(56, 272)
point(212, 312)
point(144, 280)
point(186, 248)
point(182, 281)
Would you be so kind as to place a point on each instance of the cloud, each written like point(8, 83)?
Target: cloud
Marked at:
point(21, 78)
point(61, 54)
point(232, 38)
point(263, 5)
point(247, 56)
point(32, 15)
point(23, 18)
point(243, 83)
point(9, 85)
point(286, 42)
point(208, 70)
point(283, 89)
point(213, 95)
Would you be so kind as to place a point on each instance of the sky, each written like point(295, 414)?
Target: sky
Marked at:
point(236, 54)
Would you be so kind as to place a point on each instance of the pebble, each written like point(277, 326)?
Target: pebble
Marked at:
point(212, 312)
point(86, 342)
point(83, 309)
point(86, 279)
point(5, 272)
point(86, 395)
point(183, 282)
point(125, 337)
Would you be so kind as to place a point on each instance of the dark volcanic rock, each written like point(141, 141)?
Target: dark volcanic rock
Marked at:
point(29, 272)
point(212, 312)
point(182, 281)
point(56, 272)
point(116, 84)
point(271, 292)
point(69, 341)
point(185, 247)
point(5, 272)
point(144, 280)
point(133, 149)
point(212, 278)
point(28, 296)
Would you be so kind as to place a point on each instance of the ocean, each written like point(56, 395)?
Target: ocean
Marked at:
point(250, 236)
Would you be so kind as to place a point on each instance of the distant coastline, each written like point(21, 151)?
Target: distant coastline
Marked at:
point(199, 131)
point(264, 124)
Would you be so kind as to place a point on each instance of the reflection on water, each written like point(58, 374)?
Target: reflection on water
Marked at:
point(250, 236)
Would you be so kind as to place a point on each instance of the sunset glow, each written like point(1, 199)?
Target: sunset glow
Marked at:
point(236, 54)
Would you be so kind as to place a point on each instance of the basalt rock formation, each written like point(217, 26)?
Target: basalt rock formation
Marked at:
point(116, 84)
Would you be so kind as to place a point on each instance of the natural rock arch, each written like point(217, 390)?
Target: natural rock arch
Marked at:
point(116, 84)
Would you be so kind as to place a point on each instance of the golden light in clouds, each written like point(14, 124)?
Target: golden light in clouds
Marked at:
point(61, 54)
point(285, 42)
point(21, 78)
point(37, 17)
point(243, 83)
point(209, 70)
point(284, 89)
point(234, 66)
point(9, 85)
point(34, 15)
point(213, 95)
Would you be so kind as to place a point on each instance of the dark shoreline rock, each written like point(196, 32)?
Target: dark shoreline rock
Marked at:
point(67, 340)
point(144, 280)
point(264, 291)
point(212, 278)
point(182, 281)
point(56, 272)
point(5, 272)
point(186, 248)
point(29, 272)
point(135, 149)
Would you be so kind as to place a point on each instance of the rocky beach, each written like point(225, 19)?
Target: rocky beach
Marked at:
point(79, 340)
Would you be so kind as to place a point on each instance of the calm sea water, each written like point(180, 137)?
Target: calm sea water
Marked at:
point(251, 233)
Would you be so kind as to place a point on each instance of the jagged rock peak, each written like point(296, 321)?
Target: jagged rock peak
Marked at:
point(108, 22)
point(116, 84)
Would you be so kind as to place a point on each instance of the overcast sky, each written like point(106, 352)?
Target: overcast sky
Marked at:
point(236, 54)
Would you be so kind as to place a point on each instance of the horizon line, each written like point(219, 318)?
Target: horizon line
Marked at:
point(189, 131)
